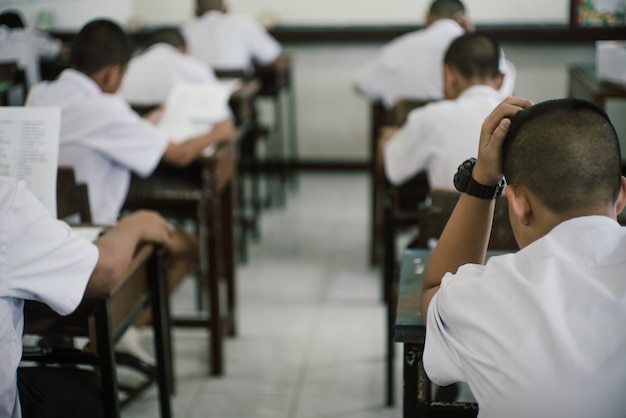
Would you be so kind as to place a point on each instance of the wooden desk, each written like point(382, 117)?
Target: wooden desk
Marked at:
point(105, 320)
point(277, 84)
point(205, 192)
point(379, 118)
point(411, 332)
point(585, 84)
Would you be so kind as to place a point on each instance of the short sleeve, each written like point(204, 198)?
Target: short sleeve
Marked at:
point(41, 257)
point(372, 80)
point(120, 134)
point(264, 48)
point(441, 361)
point(408, 151)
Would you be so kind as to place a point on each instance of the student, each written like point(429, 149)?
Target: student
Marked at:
point(539, 332)
point(409, 67)
point(44, 260)
point(104, 140)
point(25, 46)
point(152, 74)
point(228, 42)
point(101, 137)
point(436, 135)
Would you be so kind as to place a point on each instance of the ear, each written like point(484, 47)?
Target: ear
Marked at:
point(499, 81)
point(519, 205)
point(621, 198)
point(450, 81)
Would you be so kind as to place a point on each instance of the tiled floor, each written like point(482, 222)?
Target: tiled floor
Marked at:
point(311, 322)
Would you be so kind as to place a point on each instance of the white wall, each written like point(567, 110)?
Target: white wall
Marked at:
point(73, 14)
point(333, 122)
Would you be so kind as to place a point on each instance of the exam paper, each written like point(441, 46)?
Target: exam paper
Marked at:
point(193, 109)
point(29, 149)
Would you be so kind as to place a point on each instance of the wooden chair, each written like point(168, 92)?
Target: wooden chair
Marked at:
point(72, 197)
point(379, 118)
point(205, 192)
point(103, 321)
point(12, 79)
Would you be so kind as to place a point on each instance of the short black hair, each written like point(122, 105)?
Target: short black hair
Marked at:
point(169, 36)
point(12, 19)
point(100, 43)
point(474, 55)
point(566, 152)
point(441, 9)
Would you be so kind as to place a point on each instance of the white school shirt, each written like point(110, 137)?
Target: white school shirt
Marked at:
point(25, 46)
point(539, 333)
point(228, 41)
point(439, 136)
point(411, 66)
point(151, 75)
point(102, 138)
point(40, 259)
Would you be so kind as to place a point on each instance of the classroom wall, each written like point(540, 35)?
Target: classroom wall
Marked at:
point(333, 122)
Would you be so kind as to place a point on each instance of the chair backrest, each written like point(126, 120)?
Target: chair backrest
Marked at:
point(72, 197)
point(403, 107)
point(434, 217)
point(12, 78)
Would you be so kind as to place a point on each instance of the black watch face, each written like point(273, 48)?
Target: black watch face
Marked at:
point(462, 176)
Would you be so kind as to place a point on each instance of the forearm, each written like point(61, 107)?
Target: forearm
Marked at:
point(463, 240)
point(186, 152)
point(116, 249)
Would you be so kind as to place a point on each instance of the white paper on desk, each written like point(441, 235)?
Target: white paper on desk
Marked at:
point(90, 233)
point(193, 109)
point(29, 149)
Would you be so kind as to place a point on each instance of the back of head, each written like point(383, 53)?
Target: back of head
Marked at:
point(474, 55)
point(169, 36)
point(100, 43)
point(446, 9)
point(12, 19)
point(203, 6)
point(567, 153)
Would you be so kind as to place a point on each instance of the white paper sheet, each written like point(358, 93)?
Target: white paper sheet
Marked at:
point(192, 109)
point(29, 149)
point(91, 233)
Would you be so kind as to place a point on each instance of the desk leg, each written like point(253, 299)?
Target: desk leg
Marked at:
point(162, 340)
point(280, 147)
point(228, 254)
point(410, 369)
point(213, 243)
point(293, 136)
point(103, 329)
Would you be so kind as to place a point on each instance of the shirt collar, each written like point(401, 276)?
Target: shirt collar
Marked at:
point(80, 80)
point(211, 14)
point(480, 90)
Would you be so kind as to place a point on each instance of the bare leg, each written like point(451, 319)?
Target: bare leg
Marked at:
point(183, 254)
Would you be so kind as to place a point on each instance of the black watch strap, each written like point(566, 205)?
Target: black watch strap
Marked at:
point(476, 189)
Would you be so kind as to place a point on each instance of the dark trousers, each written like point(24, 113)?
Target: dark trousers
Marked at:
point(52, 392)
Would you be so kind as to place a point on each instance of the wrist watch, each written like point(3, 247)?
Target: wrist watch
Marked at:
point(465, 183)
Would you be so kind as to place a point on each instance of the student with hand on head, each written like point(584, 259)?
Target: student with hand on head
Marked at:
point(409, 67)
point(539, 332)
point(44, 260)
point(104, 140)
point(229, 42)
point(25, 46)
point(152, 74)
point(435, 136)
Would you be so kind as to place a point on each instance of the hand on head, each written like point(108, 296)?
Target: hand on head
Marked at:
point(488, 169)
